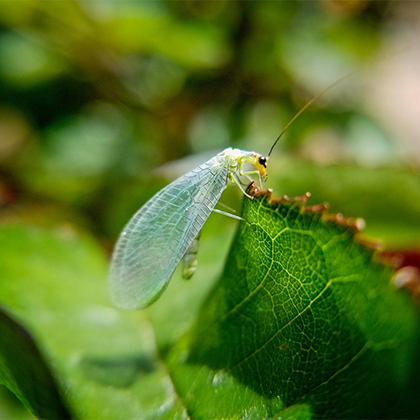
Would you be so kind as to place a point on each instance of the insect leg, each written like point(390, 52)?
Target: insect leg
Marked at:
point(255, 172)
point(236, 181)
point(233, 216)
point(226, 207)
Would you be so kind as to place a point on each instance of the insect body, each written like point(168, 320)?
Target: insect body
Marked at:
point(159, 235)
point(189, 260)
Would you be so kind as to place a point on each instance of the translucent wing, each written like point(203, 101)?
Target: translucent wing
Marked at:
point(158, 235)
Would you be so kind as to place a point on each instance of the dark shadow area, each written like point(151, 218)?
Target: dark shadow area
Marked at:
point(26, 373)
point(118, 372)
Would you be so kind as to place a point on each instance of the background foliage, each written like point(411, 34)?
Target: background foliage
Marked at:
point(95, 96)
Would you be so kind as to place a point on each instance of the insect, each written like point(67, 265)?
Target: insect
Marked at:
point(159, 235)
point(167, 227)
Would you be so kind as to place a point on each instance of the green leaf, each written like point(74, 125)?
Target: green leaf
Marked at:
point(11, 407)
point(197, 45)
point(24, 371)
point(303, 316)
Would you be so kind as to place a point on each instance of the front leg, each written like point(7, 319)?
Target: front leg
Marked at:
point(255, 172)
point(236, 181)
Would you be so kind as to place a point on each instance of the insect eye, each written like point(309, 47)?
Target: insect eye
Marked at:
point(262, 161)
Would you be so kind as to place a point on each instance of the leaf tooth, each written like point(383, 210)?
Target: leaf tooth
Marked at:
point(376, 245)
point(355, 223)
point(317, 208)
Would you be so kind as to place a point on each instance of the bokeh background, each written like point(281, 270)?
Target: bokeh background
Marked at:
point(95, 95)
point(102, 103)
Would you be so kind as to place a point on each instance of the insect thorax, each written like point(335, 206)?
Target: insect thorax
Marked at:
point(235, 158)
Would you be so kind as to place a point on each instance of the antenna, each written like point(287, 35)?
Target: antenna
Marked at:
point(341, 79)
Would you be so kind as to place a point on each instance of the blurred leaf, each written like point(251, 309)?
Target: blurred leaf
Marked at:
point(197, 45)
point(333, 45)
point(105, 361)
point(156, 80)
point(77, 152)
point(25, 62)
point(24, 371)
point(11, 407)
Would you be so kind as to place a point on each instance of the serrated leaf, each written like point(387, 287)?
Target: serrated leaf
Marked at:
point(303, 316)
